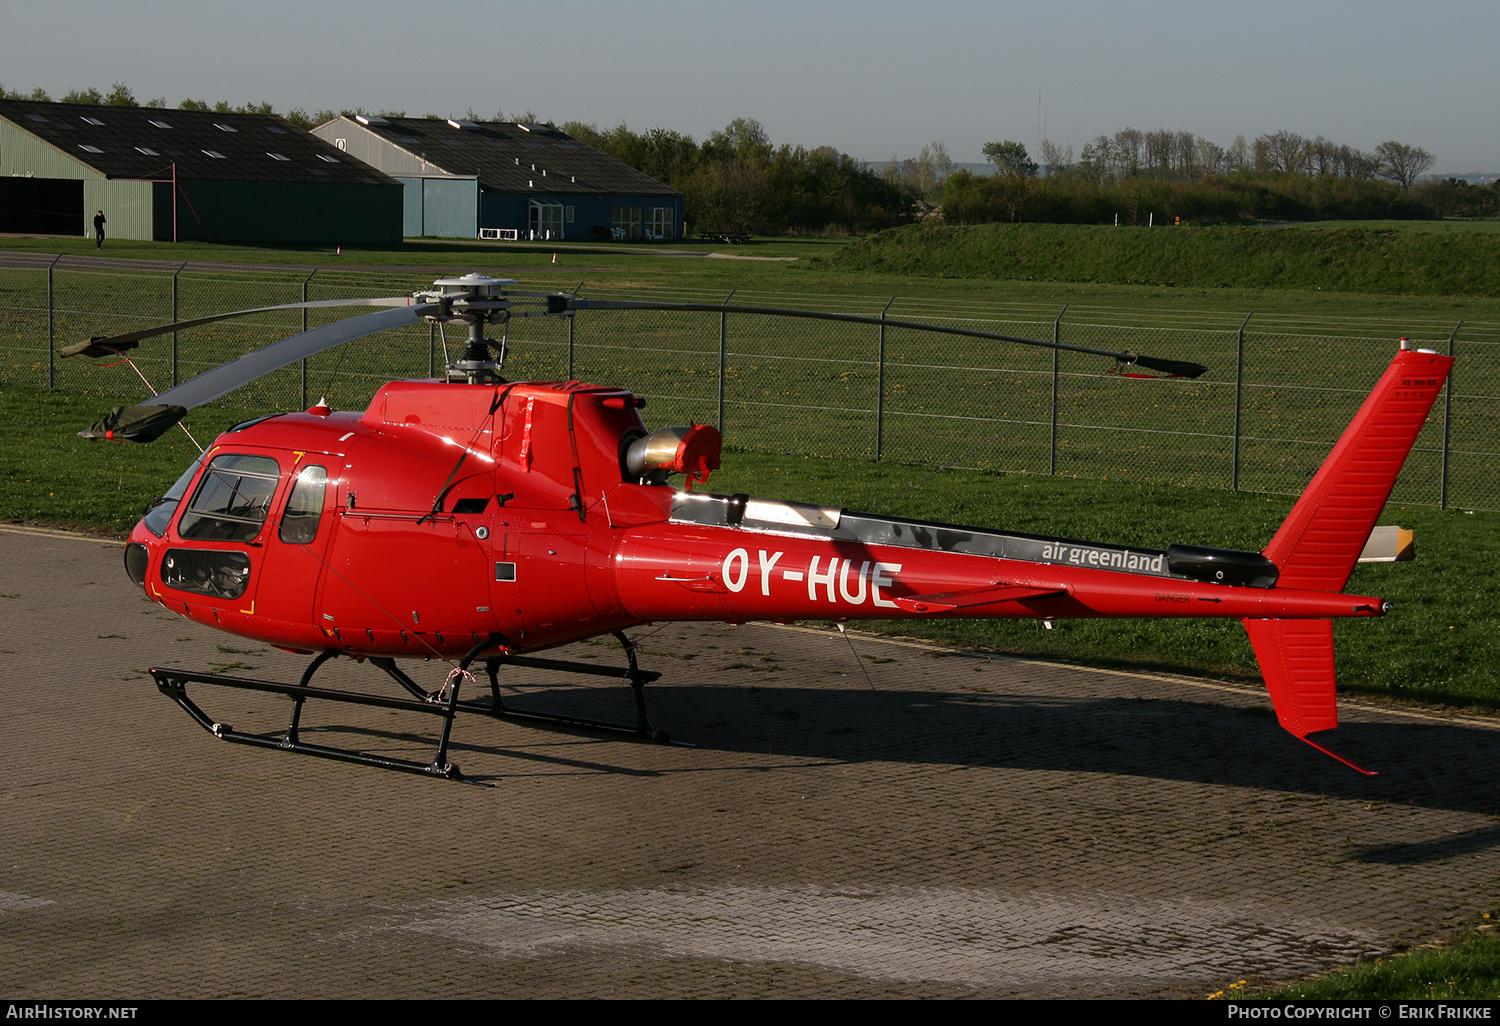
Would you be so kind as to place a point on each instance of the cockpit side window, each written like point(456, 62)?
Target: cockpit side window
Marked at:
point(232, 499)
point(304, 507)
point(160, 513)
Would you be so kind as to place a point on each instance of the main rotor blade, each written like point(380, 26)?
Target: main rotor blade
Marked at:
point(565, 302)
point(130, 338)
point(226, 378)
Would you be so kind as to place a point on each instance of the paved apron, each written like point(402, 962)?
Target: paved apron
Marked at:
point(863, 818)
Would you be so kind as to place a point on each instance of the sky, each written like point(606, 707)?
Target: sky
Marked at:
point(873, 79)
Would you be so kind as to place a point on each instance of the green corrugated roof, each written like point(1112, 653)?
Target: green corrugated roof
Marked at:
point(144, 142)
point(511, 157)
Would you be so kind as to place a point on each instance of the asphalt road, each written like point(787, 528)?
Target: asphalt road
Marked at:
point(862, 818)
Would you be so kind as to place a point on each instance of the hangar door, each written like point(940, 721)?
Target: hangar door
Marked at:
point(41, 206)
point(444, 207)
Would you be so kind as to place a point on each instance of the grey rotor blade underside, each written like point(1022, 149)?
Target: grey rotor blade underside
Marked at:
point(226, 378)
point(144, 333)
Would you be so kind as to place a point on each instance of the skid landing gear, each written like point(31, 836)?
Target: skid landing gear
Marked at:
point(443, 703)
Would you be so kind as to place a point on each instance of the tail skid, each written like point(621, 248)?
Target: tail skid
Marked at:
point(1320, 540)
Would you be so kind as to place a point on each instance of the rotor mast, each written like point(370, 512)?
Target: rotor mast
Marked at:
point(475, 300)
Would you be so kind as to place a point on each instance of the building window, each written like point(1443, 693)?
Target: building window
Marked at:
point(661, 222)
point(626, 223)
point(568, 214)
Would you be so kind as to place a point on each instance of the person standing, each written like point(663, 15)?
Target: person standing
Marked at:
point(99, 223)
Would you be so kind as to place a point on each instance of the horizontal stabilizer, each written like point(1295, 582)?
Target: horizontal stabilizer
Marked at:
point(946, 601)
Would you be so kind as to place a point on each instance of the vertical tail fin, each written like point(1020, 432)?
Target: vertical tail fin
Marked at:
point(1322, 537)
point(1320, 540)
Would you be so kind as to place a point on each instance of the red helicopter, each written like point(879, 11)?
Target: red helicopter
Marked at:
point(481, 520)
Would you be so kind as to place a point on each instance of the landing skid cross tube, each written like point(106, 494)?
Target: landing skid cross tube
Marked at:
point(443, 703)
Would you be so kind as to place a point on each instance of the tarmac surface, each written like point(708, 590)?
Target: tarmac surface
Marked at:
point(863, 818)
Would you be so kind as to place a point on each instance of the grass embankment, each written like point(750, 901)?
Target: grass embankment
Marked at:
point(1441, 645)
point(1376, 260)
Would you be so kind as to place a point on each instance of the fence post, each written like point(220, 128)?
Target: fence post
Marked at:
point(723, 331)
point(1447, 413)
point(572, 317)
point(880, 385)
point(1239, 381)
point(174, 319)
point(304, 328)
point(51, 359)
point(1056, 353)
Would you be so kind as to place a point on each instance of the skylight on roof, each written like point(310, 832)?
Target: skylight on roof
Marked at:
point(91, 149)
point(276, 156)
point(92, 121)
point(148, 151)
point(215, 154)
point(276, 128)
point(36, 117)
point(225, 128)
point(161, 124)
point(331, 160)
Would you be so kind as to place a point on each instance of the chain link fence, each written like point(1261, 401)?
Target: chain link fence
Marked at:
point(1278, 392)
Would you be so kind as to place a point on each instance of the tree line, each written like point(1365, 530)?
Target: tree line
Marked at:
point(737, 180)
point(1134, 177)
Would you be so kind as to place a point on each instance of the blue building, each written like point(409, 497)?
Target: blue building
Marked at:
point(475, 179)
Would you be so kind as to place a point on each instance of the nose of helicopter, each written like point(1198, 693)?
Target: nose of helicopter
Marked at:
point(138, 554)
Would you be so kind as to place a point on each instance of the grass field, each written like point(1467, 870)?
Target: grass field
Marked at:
point(816, 388)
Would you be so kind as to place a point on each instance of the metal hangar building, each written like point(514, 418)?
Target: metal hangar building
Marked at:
point(177, 174)
point(468, 179)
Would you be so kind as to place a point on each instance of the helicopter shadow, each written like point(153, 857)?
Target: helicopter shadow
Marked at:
point(1007, 725)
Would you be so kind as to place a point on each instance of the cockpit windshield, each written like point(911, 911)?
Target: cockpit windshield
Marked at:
point(232, 500)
